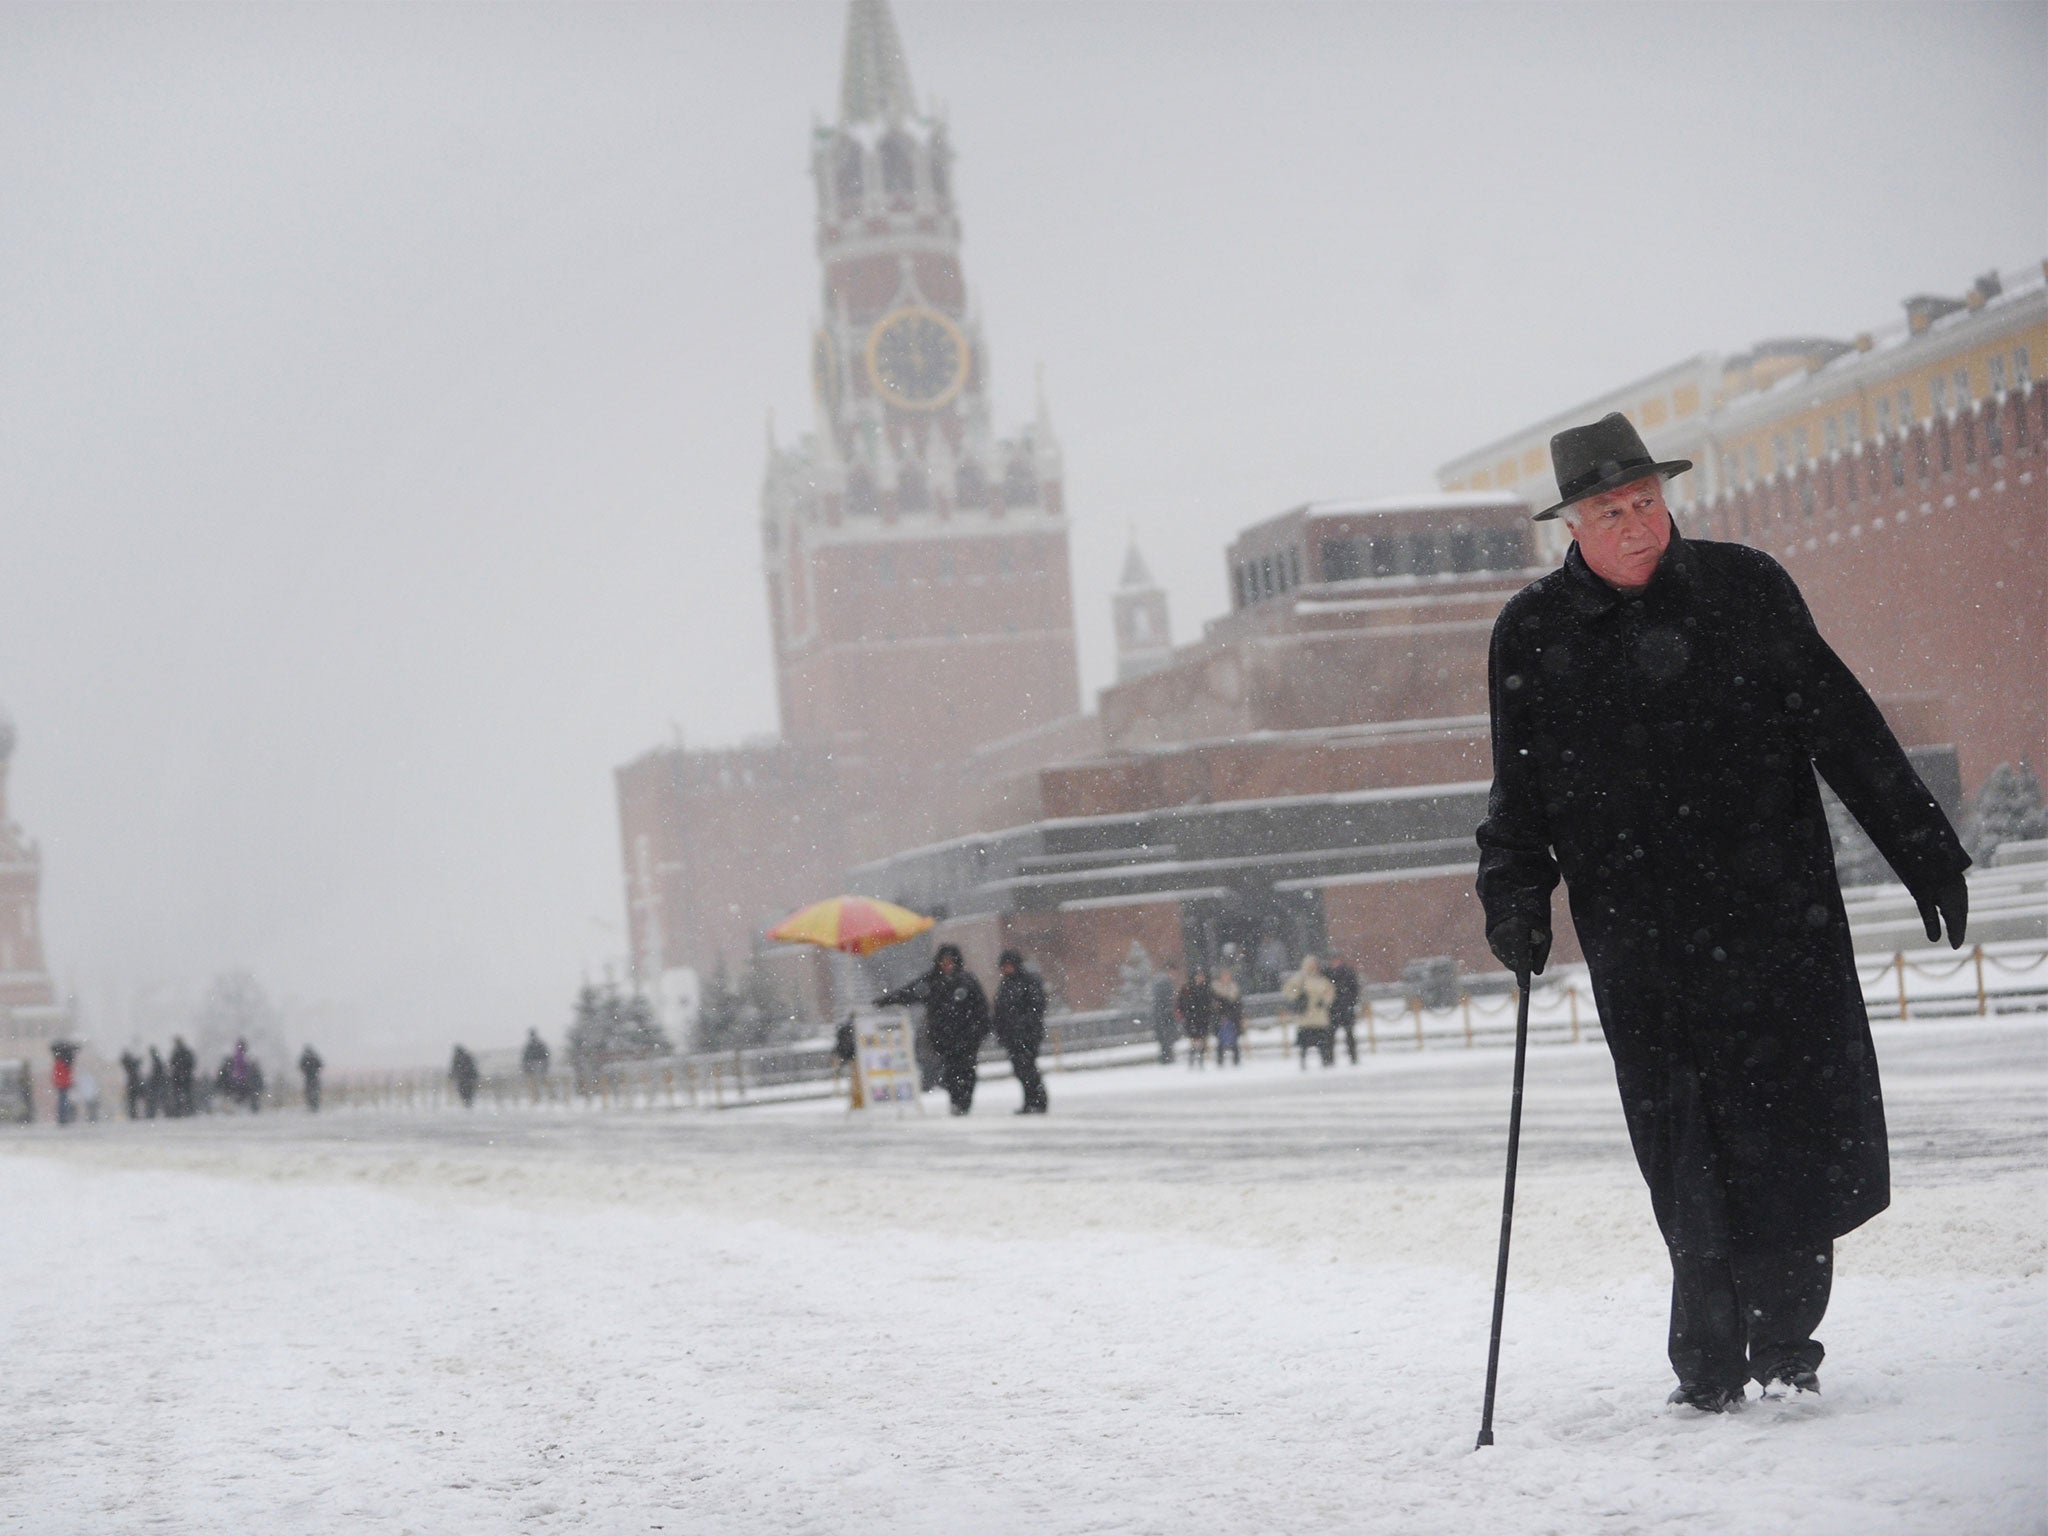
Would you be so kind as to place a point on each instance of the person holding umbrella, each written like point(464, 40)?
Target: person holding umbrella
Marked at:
point(1659, 707)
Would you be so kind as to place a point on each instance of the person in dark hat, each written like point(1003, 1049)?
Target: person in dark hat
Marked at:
point(955, 1020)
point(1019, 1017)
point(1660, 707)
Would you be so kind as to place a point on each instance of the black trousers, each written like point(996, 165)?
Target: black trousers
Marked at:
point(1025, 1064)
point(1737, 1316)
point(1348, 1023)
point(957, 1071)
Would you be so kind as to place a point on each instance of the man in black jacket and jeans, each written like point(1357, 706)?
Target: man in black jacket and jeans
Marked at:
point(955, 1020)
point(1020, 1027)
point(1660, 706)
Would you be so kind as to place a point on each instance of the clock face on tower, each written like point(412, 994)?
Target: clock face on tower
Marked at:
point(917, 359)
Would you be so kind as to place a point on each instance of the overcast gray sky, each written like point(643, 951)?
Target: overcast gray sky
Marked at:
point(383, 387)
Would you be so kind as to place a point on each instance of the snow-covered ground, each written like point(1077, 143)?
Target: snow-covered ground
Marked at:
point(1243, 1302)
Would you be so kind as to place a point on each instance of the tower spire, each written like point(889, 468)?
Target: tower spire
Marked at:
point(874, 85)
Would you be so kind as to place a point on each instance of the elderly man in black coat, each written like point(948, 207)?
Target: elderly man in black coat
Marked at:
point(955, 1020)
point(1659, 707)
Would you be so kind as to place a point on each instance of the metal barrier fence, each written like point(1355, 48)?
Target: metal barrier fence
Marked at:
point(1934, 983)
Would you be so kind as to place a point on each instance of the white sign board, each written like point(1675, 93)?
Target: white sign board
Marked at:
point(888, 1060)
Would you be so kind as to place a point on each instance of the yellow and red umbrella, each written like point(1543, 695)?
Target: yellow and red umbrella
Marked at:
point(857, 925)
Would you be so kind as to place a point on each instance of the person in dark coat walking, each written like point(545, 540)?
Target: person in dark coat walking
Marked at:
point(1019, 1018)
point(955, 1020)
point(1195, 1006)
point(131, 1069)
point(156, 1086)
point(463, 1069)
point(1344, 1006)
point(184, 1065)
point(1659, 706)
point(310, 1068)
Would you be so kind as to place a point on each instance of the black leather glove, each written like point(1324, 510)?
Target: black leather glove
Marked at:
point(1950, 899)
point(1520, 945)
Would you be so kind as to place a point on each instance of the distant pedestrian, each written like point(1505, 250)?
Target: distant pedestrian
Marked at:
point(956, 1020)
point(846, 1060)
point(533, 1061)
point(1310, 994)
point(1229, 1017)
point(1019, 1017)
point(1165, 1024)
point(89, 1096)
point(1344, 1007)
point(184, 1065)
point(463, 1069)
point(156, 1086)
point(131, 1071)
point(62, 1080)
point(310, 1068)
point(240, 1079)
point(1195, 1006)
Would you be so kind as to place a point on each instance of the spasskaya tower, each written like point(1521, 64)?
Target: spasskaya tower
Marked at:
point(916, 563)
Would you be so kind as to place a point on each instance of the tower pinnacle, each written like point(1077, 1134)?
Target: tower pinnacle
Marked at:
point(874, 85)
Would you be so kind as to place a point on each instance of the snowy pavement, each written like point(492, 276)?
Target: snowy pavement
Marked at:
point(1235, 1302)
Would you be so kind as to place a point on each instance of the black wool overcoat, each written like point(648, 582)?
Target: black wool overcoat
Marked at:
point(1019, 1012)
point(1658, 751)
point(955, 1009)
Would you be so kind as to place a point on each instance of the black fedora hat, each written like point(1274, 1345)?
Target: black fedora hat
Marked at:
point(1599, 457)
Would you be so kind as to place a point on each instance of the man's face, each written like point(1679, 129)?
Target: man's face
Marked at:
point(948, 964)
point(1623, 532)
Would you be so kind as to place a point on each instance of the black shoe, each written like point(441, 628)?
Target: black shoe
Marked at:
point(1795, 1375)
point(1708, 1399)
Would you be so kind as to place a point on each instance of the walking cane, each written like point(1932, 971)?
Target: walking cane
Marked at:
point(1507, 1212)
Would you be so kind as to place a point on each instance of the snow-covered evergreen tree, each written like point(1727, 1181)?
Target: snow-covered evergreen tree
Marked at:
point(2008, 809)
point(1134, 983)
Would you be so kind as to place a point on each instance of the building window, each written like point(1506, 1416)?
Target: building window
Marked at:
point(1884, 415)
point(1385, 555)
point(847, 178)
point(2021, 370)
point(1962, 383)
point(860, 494)
point(1293, 569)
point(970, 487)
point(1905, 409)
point(1852, 429)
point(1831, 436)
point(1937, 393)
point(1422, 554)
point(899, 173)
point(1506, 549)
point(1020, 485)
point(1806, 494)
point(1342, 560)
point(1998, 375)
point(1994, 433)
point(1464, 550)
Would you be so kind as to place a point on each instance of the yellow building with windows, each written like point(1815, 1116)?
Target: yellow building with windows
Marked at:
point(1744, 418)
